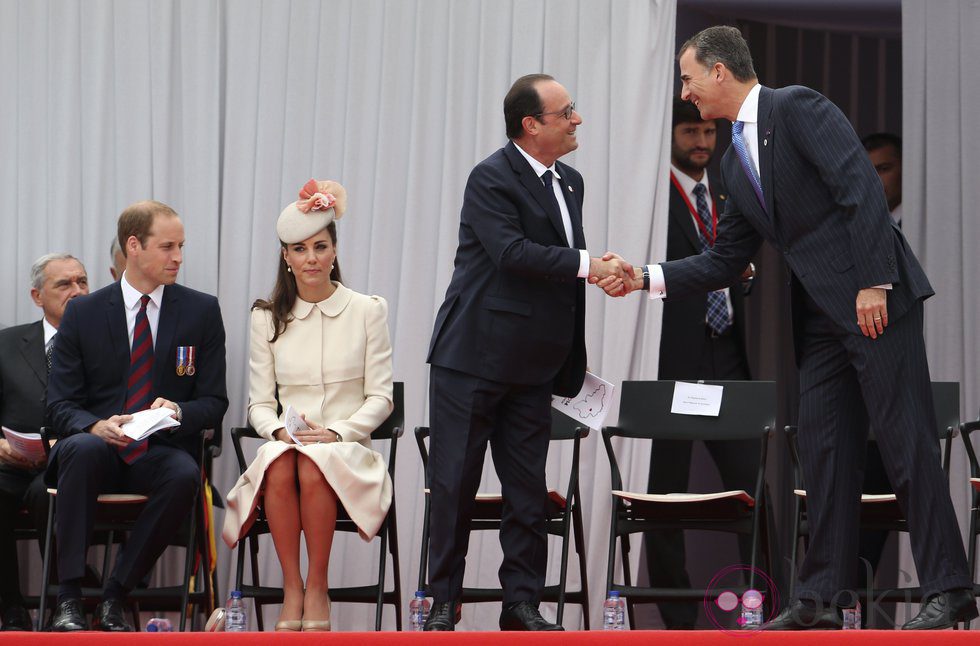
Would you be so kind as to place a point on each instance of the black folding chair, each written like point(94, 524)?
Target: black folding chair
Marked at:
point(563, 516)
point(748, 412)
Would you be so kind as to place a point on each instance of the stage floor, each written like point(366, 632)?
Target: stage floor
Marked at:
point(576, 638)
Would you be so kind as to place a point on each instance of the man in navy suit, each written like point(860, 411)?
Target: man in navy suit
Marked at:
point(56, 278)
point(799, 178)
point(702, 337)
point(143, 342)
point(509, 334)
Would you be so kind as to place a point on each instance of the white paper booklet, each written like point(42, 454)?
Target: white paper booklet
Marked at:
point(591, 405)
point(147, 422)
point(293, 423)
point(28, 445)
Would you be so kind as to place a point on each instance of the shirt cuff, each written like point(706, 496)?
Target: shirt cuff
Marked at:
point(658, 288)
point(885, 286)
point(583, 264)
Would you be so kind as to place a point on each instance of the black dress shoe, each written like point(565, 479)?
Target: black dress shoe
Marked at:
point(110, 616)
point(801, 616)
point(524, 615)
point(441, 616)
point(945, 610)
point(69, 617)
point(17, 618)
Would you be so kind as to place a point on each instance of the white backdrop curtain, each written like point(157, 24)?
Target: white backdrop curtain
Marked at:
point(223, 109)
point(940, 157)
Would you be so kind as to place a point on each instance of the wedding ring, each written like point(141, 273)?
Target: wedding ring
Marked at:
point(877, 318)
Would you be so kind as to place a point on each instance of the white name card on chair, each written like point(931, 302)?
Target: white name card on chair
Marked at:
point(696, 399)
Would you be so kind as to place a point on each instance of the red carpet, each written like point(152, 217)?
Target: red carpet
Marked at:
point(581, 638)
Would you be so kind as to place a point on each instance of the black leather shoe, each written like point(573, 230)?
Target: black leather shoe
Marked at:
point(69, 617)
point(17, 618)
point(800, 616)
point(110, 616)
point(945, 610)
point(442, 618)
point(524, 615)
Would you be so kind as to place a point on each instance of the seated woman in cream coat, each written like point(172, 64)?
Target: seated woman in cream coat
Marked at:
point(325, 349)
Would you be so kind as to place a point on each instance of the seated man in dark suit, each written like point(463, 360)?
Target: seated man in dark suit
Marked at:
point(144, 342)
point(56, 278)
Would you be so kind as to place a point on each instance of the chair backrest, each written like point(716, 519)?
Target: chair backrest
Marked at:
point(748, 409)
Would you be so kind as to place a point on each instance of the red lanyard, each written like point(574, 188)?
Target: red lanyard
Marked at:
point(709, 236)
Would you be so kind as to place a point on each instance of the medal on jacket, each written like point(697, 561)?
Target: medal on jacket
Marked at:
point(185, 360)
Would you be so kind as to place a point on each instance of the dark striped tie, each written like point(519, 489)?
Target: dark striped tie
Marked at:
point(138, 387)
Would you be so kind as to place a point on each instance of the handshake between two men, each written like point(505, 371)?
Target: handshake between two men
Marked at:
point(618, 278)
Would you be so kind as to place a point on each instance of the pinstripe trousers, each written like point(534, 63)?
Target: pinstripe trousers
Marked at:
point(849, 383)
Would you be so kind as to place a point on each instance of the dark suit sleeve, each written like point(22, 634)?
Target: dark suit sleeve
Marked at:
point(66, 383)
point(823, 135)
point(209, 401)
point(492, 209)
point(721, 265)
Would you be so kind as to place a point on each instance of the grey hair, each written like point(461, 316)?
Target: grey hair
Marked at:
point(114, 248)
point(724, 45)
point(37, 269)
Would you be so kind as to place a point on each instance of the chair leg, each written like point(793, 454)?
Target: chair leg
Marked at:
point(424, 554)
point(46, 564)
point(253, 543)
point(972, 537)
point(189, 554)
point(563, 575)
point(395, 564)
point(382, 561)
point(628, 580)
point(583, 571)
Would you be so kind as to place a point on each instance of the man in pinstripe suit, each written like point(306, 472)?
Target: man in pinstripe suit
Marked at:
point(799, 178)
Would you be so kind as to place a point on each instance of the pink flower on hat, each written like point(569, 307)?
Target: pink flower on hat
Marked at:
point(322, 195)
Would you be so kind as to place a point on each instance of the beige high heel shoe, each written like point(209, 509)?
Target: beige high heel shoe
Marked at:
point(289, 625)
point(317, 625)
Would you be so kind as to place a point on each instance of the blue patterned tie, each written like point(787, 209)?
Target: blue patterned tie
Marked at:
point(738, 142)
point(717, 317)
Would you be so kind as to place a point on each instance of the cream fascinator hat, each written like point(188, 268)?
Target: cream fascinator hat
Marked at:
point(319, 204)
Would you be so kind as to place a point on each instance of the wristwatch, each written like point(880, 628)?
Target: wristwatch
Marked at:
point(646, 278)
point(180, 413)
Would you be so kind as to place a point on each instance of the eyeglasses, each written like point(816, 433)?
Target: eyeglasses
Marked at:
point(565, 112)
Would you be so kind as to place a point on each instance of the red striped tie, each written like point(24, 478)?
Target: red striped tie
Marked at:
point(138, 394)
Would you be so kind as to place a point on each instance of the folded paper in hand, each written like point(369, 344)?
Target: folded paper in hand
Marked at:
point(27, 445)
point(293, 423)
point(147, 422)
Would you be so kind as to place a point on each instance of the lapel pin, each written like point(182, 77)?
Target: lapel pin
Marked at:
point(571, 190)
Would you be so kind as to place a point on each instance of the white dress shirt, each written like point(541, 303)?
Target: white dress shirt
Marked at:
point(49, 333)
point(131, 299)
point(539, 170)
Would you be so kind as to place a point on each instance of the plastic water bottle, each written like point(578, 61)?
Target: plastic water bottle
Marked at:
point(614, 612)
point(236, 615)
point(418, 611)
point(159, 625)
point(852, 617)
point(751, 615)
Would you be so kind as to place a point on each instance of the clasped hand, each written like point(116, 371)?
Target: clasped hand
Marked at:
point(611, 273)
point(315, 434)
point(621, 280)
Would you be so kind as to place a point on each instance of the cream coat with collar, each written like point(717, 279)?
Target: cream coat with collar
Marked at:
point(332, 363)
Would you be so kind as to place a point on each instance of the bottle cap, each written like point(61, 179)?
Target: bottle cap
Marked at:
point(614, 593)
point(236, 594)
